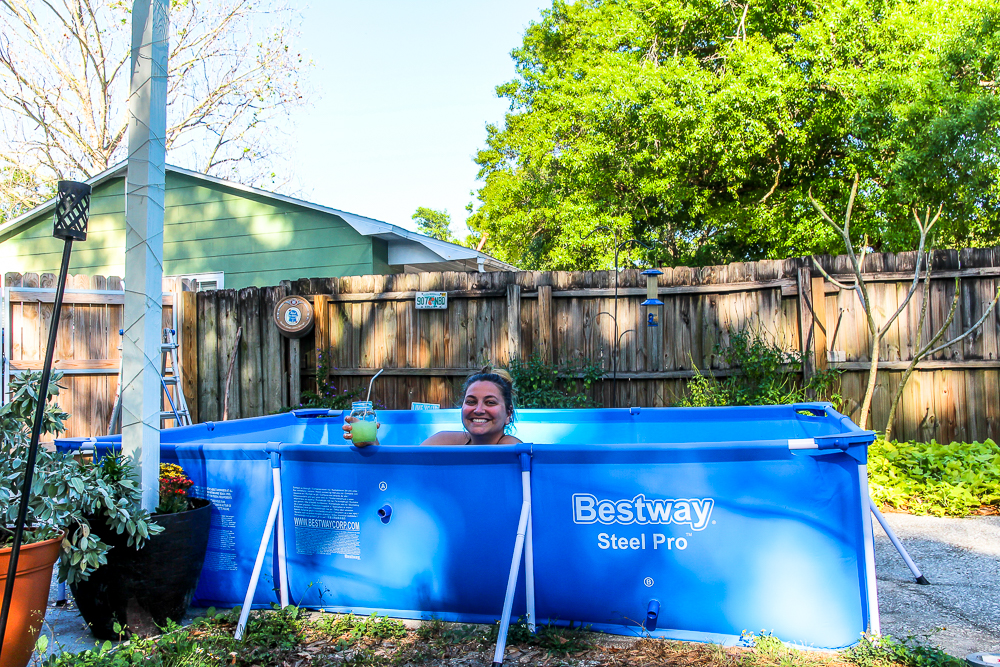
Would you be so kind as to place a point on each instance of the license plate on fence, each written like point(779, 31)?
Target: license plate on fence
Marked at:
point(432, 300)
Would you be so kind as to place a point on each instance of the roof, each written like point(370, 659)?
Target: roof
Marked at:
point(413, 251)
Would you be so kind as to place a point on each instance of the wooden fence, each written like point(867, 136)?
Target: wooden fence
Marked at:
point(88, 346)
point(369, 322)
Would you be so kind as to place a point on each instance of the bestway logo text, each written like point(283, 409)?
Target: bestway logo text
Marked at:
point(692, 511)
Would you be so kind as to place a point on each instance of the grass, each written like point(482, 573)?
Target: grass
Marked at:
point(295, 638)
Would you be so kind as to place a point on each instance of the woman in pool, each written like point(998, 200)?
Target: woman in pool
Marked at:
point(487, 410)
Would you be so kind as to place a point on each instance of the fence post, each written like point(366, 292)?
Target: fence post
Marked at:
point(209, 398)
point(321, 311)
point(294, 372)
point(250, 360)
point(818, 298)
point(513, 322)
point(545, 323)
point(804, 279)
point(188, 336)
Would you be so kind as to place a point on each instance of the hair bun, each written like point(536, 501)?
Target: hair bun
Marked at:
point(502, 372)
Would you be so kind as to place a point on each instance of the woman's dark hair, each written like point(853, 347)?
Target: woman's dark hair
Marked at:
point(500, 378)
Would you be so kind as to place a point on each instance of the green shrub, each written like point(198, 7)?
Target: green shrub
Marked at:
point(768, 375)
point(932, 478)
point(553, 638)
point(540, 384)
point(885, 651)
point(327, 395)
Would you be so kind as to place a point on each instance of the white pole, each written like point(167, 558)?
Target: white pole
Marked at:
point(917, 574)
point(282, 568)
point(508, 601)
point(529, 557)
point(874, 624)
point(257, 564)
point(144, 196)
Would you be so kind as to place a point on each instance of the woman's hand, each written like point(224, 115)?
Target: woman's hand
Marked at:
point(347, 432)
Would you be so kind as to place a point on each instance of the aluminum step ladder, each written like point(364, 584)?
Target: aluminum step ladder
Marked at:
point(169, 377)
point(115, 423)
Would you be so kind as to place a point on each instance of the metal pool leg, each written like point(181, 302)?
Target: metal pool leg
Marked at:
point(272, 515)
point(871, 585)
point(529, 556)
point(515, 565)
point(282, 567)
point(921, 579)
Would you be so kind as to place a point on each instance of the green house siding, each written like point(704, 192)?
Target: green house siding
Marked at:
point(252, 239)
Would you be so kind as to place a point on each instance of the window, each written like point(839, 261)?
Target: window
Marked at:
point(205, 281)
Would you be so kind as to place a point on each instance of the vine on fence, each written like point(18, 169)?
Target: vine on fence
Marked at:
point(540, 384)
point(768, 376)
point(327, 395)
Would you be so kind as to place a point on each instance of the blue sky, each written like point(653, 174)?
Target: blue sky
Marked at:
point(404, 92)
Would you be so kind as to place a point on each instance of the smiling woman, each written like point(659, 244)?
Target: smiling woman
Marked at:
point(487, 411)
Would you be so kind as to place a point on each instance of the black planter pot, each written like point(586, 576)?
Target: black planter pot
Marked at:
point(142, 590)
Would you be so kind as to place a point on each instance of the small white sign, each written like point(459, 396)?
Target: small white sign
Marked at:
point(432, 300)
point(424, 406)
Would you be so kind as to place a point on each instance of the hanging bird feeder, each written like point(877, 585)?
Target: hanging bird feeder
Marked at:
point(651, 302)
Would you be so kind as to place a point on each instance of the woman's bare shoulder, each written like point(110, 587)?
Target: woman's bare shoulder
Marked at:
point(510, 440)
point(447, 438)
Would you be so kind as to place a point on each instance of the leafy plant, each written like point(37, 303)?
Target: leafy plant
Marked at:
point(553, 638)
point(65, 493)
point(327, 395)
point(768, 375)
point(540, 384)
point(884, 651)
point(350, 628)
point(934, 478)
point(769, 650)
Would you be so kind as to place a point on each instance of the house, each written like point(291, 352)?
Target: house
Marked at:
point(225, 234)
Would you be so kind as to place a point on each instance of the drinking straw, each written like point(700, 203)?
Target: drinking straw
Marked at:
point(369, 396)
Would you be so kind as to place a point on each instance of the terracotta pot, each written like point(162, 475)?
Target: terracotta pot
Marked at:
point(141, 590)
point(31, 595)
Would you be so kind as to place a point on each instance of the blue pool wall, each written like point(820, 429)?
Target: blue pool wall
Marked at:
point(785, 545)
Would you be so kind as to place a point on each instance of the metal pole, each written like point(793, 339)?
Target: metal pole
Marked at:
point(917, 574)
point(515, 566)
point(616, 347)
point(529, 552)
point(36, 432)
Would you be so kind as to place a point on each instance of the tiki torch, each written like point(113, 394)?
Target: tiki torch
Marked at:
point(72, 210)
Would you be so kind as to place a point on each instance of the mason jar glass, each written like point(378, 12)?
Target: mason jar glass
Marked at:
point(363, 431)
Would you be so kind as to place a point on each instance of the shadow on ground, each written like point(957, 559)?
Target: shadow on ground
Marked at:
point(961, 558)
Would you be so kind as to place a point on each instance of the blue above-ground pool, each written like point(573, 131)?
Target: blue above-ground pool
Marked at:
point(692, 524)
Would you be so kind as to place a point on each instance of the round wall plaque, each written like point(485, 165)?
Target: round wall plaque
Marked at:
point(294, 316)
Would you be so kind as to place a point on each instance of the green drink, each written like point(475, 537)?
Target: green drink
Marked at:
point(363, 431)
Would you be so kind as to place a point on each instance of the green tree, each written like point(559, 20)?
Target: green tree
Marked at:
point(699, 127)
point(434, 223)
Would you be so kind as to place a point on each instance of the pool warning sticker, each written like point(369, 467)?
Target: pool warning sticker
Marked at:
point(326, 521)
point(221, 554)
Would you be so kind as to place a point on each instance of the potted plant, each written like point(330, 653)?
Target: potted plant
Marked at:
point(140, 591)
point(66, 496)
